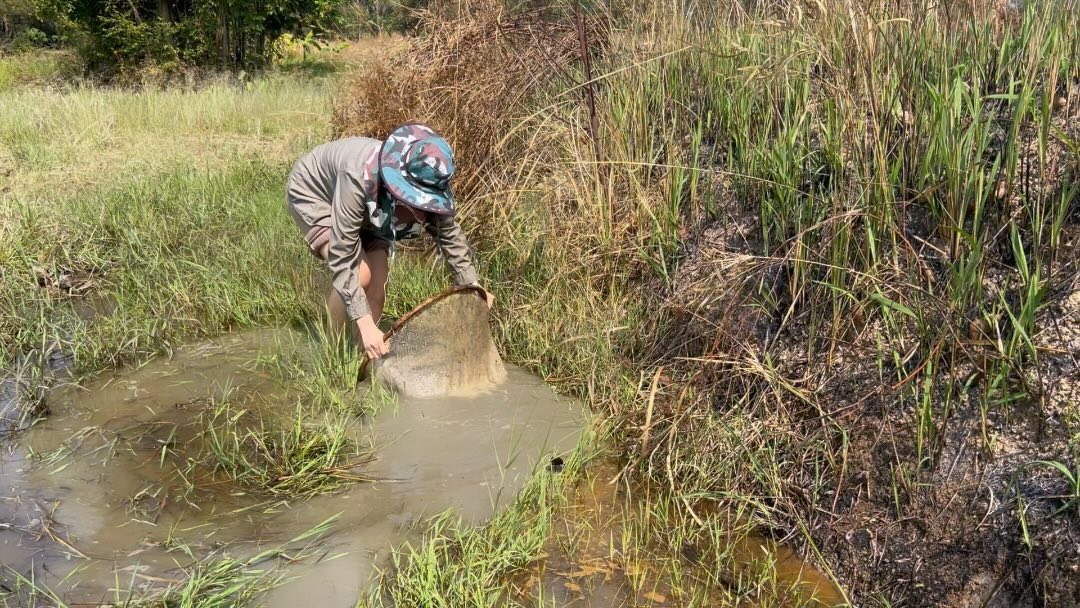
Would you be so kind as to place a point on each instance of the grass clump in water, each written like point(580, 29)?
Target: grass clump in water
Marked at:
point(235, 582)
point(460, 565)
point(296, 458)
point(212, 582)
point(327, 375)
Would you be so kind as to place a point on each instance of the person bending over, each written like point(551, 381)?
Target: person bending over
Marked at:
point(354, 198)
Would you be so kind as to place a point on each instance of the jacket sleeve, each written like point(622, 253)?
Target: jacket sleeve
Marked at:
point(350, 209)
point(452, 244)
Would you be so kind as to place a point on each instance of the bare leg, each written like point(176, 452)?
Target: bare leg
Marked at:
point(374, 274)
point(372, 269)
point(339, 319)
point(335, 307)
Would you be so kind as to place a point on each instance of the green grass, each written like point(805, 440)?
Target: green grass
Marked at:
point(165, 207)
point(164, 204)
point(1071, 497)
point(60, 143)
point(135, 220)
point(271, 455)
point(35, 68)
point(326, 376)
point(459, 565)
point(167, 259)
point(140, 220)
point(905, 178)
point(215, 582)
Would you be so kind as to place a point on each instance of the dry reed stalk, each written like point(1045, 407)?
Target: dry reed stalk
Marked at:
point(469, 75)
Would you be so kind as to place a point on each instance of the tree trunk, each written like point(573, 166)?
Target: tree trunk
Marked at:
point(223, 38)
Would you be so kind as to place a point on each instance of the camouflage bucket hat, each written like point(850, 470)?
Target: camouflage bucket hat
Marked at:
point(415, 166)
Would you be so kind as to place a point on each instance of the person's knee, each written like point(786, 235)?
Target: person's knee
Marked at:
point(376, 297)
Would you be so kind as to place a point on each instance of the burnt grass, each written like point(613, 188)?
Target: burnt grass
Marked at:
point(892, 408)
point(968, 515)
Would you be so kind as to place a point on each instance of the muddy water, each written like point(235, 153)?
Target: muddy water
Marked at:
point(83, 510)
point(590, 564)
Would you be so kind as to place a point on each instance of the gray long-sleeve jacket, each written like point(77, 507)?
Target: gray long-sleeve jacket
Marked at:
point(336, 186)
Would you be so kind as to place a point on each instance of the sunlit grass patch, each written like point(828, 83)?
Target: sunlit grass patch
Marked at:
point(275, 455)
point(36, 68)
point(154, 262)
point(90, 137)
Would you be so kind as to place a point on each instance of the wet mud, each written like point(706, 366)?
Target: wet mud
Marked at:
point(613, 548)
point(86, 512)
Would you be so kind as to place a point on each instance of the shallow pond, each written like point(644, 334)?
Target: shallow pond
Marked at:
point(613, 546)
point(91, 506)
point(85, 512)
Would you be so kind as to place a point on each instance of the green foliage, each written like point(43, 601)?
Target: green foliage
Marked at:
point(274, 457)
point(174, 34)
point(361, 17)
point(27, 24)
point(189, 270)
point(30, 38)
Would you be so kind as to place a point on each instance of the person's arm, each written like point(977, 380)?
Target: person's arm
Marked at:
point(451, 242)
point(350, 210)
point(454, 247)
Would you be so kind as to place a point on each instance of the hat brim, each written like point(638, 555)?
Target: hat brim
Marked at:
point(397, 181)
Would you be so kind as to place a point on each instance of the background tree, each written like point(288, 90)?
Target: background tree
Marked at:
point(116, 35)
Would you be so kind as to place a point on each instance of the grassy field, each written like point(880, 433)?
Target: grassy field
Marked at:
point(135, 220)
point(817, 274)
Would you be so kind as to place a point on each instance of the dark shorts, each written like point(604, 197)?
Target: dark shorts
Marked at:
point(318, 237)
point(317, 234)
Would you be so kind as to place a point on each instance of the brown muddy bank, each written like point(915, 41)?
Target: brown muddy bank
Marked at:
point(966, 514)
point(615, 544)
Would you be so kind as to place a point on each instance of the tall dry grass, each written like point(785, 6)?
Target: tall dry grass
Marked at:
point(470, 72)
point(807, 221)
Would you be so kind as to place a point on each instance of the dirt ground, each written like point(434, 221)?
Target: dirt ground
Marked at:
point(953, 536)
point(978, 521)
